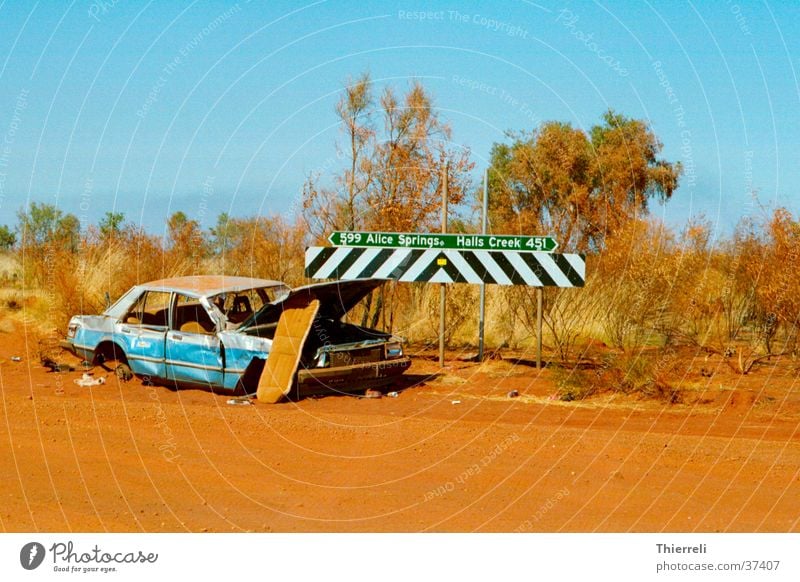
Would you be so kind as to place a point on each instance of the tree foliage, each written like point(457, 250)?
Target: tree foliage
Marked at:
point(44, 223)
point(394, 152)
point(185, 238)
point(8, 238)
point(579, 187)
point(111, 224)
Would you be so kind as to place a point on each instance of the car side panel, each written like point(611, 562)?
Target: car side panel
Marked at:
point(86, 341)
point(92, 330)
point(144, 348)
point(240, 349)
point(194, 358)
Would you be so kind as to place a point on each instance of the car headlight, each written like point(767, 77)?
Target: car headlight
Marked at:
point(393, 350)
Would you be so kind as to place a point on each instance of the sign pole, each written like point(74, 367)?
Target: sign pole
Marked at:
point(539, 328)
point(443, 286)
point(482, 316)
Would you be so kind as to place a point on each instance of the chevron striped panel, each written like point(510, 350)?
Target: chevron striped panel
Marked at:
point(447, 266)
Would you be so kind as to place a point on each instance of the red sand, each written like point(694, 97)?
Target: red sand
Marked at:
point(129, 457)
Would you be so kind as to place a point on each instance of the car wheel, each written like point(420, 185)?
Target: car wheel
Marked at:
point(114, 360)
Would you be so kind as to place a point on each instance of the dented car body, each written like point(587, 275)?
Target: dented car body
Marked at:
point(217, 332)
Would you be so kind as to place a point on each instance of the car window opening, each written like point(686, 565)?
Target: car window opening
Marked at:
point(191, 317)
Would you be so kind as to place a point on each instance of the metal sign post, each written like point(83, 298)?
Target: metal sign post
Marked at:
point(539, 293)
point(482, 315)
point(443, 286)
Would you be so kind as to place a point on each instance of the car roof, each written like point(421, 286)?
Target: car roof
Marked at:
point(207, 285)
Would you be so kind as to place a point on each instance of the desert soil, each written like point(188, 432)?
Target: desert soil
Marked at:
point(452, 452)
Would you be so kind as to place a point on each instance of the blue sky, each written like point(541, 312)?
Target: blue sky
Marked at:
point(147, 108)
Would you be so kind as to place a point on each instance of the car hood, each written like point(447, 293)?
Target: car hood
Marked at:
point(335, 299)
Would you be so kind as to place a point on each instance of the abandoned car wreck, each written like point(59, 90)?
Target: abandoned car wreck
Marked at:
point(241, 335)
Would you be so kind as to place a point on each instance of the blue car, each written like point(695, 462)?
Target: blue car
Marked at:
point(216, 332)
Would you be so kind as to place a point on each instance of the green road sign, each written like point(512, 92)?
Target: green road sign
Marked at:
point(415, 240)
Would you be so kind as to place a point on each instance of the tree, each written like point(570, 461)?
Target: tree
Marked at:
point(408, 164)
point(392, 177)
point(354, 111)
point(8, 238)
point(67, 234)
point(185, 239)
point(581, 188)
point(225, 234)
point(395, 152)
point(543, 182)
point(44, 223)
point(342, 208)
point(111, 224)
point(628, 170)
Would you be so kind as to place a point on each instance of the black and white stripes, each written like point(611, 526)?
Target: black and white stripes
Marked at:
point(447, 266)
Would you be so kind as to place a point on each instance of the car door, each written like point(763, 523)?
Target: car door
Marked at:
point(193, 349)
point(143, 330)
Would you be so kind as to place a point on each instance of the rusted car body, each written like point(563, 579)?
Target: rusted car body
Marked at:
point(217, 332)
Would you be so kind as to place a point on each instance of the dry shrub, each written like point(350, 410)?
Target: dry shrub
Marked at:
point(637, 275)
point(576, 383)
point(567, 314)
point(648, 375)
point(266, 248)
point(102, 269)
point(743, 296)
point(778, 289)
point(461, 306)
point(9, 268)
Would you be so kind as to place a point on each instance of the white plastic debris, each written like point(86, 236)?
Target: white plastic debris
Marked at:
point(87, 380)
point(240, 402)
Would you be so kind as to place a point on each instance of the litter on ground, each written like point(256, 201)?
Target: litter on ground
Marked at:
point(87, 380)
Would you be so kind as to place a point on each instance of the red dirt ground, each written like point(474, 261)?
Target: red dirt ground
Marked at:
point(129, 457)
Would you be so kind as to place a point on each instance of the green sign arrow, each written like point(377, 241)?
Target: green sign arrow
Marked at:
point(415, 240)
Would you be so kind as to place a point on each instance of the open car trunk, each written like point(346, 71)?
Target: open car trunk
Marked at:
point(333, 355)
point(327, 330)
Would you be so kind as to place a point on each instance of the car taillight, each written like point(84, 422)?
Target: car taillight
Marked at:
point(393, 350)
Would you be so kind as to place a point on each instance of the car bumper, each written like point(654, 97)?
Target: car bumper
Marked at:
point(353, 378)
